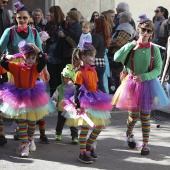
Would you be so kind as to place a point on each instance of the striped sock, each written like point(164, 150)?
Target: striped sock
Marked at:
point(1, 125)
point(94, 134)
point(82, 138)
point(41, 124)
point(23, 131)
point(145, 119)
point(31, 128)
point(132, 119)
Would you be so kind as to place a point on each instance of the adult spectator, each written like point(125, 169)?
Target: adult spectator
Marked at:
point(100, 41)
point(39, 21)
point(160, 18)
point(106, 15)
point(94, 16)
point(124, 33)
point(4, 16)
point(53, 63)
point(121, 7)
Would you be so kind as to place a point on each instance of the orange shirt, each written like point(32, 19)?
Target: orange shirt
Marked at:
point(23, 77)
point(92, 79)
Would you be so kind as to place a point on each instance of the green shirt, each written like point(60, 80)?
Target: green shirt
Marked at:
point(141, 61)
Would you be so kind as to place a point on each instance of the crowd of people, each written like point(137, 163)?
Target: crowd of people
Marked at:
point(79, 60)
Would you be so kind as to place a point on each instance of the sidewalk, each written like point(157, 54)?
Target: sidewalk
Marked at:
point(111, 149)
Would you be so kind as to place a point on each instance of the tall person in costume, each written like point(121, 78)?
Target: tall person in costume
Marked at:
point(140, 91)
point(26, 99)
point(90, 105)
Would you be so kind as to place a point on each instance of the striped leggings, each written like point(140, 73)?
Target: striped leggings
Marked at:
point(134, 114)
point(83, 141)
point(26, 130)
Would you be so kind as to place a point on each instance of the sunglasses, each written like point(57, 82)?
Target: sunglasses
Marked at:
point(157, 11)
point(5, 2)
point(24, 18)
point(146, 30)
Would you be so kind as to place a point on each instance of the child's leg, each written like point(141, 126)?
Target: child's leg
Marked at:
point(31, 131)
point(3, 140)
point(145, 119)
point(23, 131)
point(1, 125)
point(41, 124)
point(94, 134)
point(43, 137)
point(132, 119)
point(60, 124)
point(74, 134)
point(31, 128)
point(82, 138)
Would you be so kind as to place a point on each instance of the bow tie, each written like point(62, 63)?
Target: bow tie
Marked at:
point(22, 65)
point(21, 29)
point(88, 67)
point(147, 45)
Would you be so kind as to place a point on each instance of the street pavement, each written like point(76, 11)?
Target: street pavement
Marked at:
point(112, 152)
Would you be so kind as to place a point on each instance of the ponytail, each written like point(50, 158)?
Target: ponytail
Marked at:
point(76, 57)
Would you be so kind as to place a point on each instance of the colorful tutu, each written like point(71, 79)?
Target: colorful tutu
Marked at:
point(148, 95)
point(30, 104)
point(97, 106)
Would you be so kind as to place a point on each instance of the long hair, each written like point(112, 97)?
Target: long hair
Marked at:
point(165, 11)
point(101, 26)
point(92, 17)
point(58, 14)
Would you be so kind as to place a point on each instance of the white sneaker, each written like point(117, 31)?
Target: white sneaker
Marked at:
point(25, 150)
point(32, 146)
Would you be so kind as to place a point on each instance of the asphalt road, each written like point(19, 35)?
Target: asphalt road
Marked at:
point(111, 149)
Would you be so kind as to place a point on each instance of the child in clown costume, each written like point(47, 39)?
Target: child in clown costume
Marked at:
point(67, 86)
point(88, 106)
point(26, 100)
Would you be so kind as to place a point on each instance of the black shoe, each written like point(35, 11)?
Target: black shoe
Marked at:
point(44, 139)
point(16, 135)
point(85, 159)
point(3, 140)
point(93, 155)
point(131, 141)
point(145, 150)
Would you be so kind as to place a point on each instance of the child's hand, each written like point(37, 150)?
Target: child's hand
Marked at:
point(80, 111)
point(36, 49)
point(138, 78)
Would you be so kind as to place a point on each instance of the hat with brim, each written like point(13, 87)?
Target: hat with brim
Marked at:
point(24, 47)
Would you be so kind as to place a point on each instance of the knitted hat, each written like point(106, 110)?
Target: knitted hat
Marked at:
point(69, 72)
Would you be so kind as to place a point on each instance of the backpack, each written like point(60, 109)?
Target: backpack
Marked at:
point(11, 37)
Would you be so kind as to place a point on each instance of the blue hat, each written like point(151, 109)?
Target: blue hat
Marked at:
point(24, 47)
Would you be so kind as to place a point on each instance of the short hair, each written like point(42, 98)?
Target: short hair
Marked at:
point(127, 16)
point(73, 15)
point(123, 6)
point(87, 23)
point(38, 10)
point(111, 11)
point(73, 9)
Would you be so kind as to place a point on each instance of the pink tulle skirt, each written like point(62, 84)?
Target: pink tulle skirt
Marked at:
point(148, 95)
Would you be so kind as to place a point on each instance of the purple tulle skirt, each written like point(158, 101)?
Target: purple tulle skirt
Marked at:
point(94, 100)
point(148, 95)
point(20, 98)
